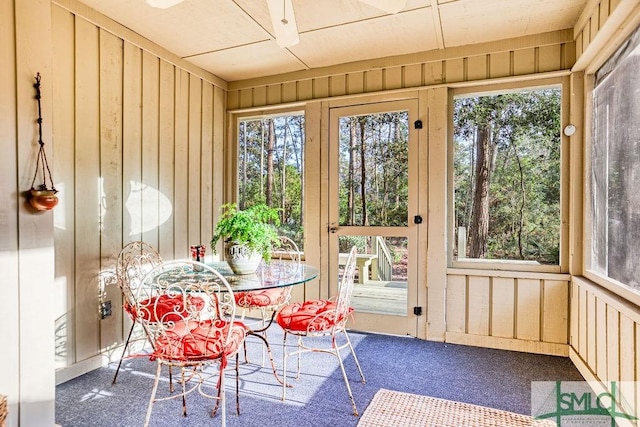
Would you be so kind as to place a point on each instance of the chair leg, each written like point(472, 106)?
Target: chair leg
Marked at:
point(153, 395)
point(355, 358)
point(237, 384)
point(346, 381)
point(126, 345)
point(284, 366)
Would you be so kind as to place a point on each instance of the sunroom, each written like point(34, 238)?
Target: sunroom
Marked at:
point(149, 131)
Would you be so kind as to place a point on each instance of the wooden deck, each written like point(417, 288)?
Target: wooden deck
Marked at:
point(382, 297)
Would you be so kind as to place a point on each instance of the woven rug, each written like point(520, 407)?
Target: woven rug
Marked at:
point(397, 409)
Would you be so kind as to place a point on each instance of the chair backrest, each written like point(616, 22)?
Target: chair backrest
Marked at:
point(188, 313)
point(345, 289)
point(134, 261)
point(285, 260)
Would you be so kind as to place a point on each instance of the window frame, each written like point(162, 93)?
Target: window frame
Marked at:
point(621, 289)
point(513, 265)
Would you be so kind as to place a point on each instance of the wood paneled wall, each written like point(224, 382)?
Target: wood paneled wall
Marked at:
point(516, 57)
point(605, 340)
point(138, 147)
point(508, 310)
point(602, 26)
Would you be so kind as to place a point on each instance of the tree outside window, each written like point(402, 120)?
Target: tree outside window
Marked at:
point(507, 176)
point(271, 168)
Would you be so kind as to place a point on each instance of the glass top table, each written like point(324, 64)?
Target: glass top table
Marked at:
point(267, 276)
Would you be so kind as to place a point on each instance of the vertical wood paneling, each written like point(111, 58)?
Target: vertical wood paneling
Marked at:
point(477, 67)
point(321, 87)
point(181, 171)
point(456, 304)
point(355, 82)
point(110, 81)
point(274, 93)
point(31, 272)
point(246, 98)
point(528, 309)
point(131, 144)
point(337, 85)
point(150, 120)
point(549, 58)
point(503, 307)
point(165, 159)
point(260, 95)
point(555, 309)
point(434, 73)
point(373, 80)
point(87, 162)
point(591, 322)
point(305, 89)
point(524, 61)
point(392, 78)
point(194, 163)
point(413, 75)
point(63, 156)
point(601, 340)
point(499, 65)
point(289, 91)
point(582, 344)
point(9, 226)
point(218, 152)
point(479, 305)
point(206, 176)
point(454, 70)
point(613, 344)
point(627, 346)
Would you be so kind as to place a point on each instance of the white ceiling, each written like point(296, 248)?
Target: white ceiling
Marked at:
point(234, 40)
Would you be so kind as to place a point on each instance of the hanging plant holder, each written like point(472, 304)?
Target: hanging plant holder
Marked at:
point(42, 197)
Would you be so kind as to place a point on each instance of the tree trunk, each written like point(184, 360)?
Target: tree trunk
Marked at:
point(270, 148)
point(479, 227)
point(363, 172)
point(352, 148)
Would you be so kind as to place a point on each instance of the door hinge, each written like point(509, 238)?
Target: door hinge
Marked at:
point(417, 311)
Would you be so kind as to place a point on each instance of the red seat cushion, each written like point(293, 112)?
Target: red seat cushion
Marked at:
point(262, 298)
point(199, 340)
point(311, 315)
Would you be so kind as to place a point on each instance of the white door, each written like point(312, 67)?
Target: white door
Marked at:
point(373, 170)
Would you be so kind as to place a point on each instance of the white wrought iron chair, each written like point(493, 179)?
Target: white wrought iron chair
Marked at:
point(134, 261)
point(285, 261)
point(321, 318)
point(189, 317)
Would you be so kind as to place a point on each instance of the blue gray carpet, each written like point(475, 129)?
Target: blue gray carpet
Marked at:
point(494, 378)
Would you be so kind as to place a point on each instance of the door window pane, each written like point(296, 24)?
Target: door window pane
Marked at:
point(381, 274)
point(373, 163)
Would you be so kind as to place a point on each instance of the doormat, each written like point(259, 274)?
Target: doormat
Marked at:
point(397, 409)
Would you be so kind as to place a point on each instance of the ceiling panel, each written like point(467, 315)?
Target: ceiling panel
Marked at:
point(374, 38)
point(233, 38)
point(245, 62)
point(476, 21)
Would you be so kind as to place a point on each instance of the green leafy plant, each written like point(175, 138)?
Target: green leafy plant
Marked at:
point(254, 227)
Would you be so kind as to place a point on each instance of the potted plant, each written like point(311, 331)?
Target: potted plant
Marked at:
point(248, 234)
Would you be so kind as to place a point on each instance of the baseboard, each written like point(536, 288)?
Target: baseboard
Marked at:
point(527, 346)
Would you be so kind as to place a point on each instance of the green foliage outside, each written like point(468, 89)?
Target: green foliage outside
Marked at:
point(287, 168)
point(524, 180)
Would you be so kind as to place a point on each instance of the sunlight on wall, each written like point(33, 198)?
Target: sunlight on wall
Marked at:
point(147, 208)
point(59, 217)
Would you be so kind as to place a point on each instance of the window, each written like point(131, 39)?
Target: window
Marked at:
point(271, 168)
point(507, 176)
point(615, 167)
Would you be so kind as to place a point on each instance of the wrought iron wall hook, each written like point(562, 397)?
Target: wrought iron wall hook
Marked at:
point(42, 198)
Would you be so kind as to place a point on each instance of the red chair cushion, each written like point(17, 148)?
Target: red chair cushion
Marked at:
point(199, 340)
point(262, 298)
point(311, 315)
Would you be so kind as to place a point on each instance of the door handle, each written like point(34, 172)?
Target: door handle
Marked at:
point(417, 219)
point(333, 228)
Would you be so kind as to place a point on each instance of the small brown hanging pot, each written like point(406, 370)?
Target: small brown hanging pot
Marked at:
point(41, 197)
